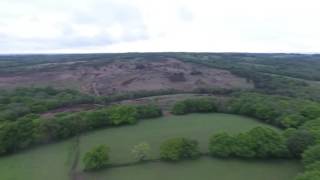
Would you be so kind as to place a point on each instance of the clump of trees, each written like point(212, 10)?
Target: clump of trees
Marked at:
point(96, 158)
point(259, 143)
point(194, 105)
point(179, 148)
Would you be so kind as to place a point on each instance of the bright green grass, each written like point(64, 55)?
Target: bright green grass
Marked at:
point(155, 131)
point(203, 169)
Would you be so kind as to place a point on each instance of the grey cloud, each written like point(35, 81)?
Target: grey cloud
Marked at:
point(100, 14)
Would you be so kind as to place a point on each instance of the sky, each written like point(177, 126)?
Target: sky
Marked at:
point(90, 26)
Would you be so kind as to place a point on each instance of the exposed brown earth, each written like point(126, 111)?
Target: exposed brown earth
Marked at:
point(75, 108)
point(126, 76)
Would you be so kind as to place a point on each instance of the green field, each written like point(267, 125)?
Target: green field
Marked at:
point(54, 161)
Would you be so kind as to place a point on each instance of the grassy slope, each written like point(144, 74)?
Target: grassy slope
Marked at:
point(54, 161)
point(204, 169)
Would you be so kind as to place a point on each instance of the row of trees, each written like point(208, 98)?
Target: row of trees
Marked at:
point(34, 130)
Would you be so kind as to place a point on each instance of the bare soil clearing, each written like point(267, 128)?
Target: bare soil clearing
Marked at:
point(127, 76)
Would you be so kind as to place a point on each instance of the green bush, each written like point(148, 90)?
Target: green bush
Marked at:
point(179, 148)
point(97, 158)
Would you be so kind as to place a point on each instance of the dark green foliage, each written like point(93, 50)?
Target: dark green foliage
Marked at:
point(298, 141)
point(179, 148)
point(194, 105)
point(311, 155)
point(258, 142)
point(97, 158)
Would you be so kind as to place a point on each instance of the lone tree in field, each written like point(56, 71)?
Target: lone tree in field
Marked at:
point(140, 151)
point(97, 158)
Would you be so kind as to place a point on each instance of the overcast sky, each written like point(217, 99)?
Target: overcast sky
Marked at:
point(79, 26)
